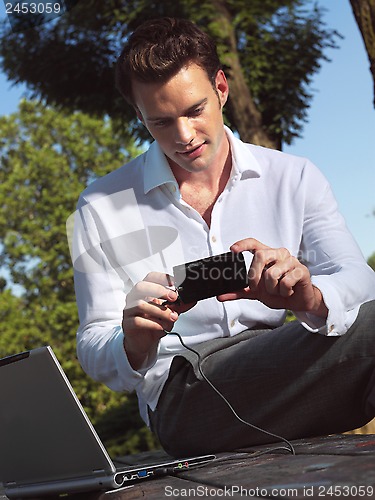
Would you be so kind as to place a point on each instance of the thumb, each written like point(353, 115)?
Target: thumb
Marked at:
point(246, 293)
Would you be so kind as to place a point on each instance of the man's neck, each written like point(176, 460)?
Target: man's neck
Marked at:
point(201, 189)
point(210, 178)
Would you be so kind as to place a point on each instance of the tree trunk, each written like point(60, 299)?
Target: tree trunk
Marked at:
point(245, 116)
point(364, 13)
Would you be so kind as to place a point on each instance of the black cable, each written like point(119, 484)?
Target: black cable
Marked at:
point(289, 447)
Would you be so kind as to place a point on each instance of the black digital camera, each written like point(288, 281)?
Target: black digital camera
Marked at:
point(210, 277)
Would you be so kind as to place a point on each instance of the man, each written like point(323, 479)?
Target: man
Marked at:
point(199, 191)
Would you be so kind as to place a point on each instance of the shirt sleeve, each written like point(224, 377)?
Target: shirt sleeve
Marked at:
point(101, 290)
point(336, 264)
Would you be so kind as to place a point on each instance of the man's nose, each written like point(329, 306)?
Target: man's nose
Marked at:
point(185, 132)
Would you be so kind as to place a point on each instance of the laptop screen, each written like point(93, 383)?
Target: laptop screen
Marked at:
point(44, 433)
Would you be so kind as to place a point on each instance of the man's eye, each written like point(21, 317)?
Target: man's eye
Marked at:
point(161, 123)
point(197, 112)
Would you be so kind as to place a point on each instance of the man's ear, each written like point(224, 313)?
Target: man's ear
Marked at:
point(222, 87)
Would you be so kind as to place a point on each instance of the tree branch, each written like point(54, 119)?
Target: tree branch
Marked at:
point(364, 13)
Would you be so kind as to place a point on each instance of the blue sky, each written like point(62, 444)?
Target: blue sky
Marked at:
point(339, 136)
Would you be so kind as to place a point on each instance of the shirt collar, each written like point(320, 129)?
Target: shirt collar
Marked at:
point(157, 171)
point(243, 159)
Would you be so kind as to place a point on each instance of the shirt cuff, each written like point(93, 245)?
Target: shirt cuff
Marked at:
point(338, 321)
point(312, 323)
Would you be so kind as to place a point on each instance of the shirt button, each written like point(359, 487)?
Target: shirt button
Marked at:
point(232, 323)
point(331, 328)
point(213, 239)
point(173, 188)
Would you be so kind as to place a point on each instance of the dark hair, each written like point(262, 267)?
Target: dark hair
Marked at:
point(159, 48)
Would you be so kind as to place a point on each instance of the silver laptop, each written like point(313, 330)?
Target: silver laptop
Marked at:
point(47, 443)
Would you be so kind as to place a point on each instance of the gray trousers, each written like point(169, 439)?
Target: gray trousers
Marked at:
point(286, 380)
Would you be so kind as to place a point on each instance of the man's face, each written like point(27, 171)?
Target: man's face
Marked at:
point(184, 115)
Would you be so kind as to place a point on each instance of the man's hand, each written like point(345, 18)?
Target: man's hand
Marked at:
point(278, 279)
point(146, 319)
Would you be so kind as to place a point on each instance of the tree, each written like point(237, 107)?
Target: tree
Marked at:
point(47, 158)
point(371, 261)
point(269, 48)
point(364, 13)
point(19, 331)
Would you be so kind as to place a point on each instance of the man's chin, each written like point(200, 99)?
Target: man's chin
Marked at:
point(196, 166)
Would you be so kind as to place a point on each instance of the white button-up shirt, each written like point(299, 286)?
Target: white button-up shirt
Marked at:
point(134, 221)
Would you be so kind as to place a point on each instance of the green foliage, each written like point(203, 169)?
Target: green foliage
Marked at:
point(69, 63)
point(47, 159)
point(279, 59)
point(122, 430)
point(19, 331)
point(371, 261)
point(289, 317)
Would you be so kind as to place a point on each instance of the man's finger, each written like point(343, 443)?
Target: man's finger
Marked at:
point(248, 244)
point(160, 278)
point(246, 293)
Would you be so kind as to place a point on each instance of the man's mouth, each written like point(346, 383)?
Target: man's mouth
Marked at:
point(192, 151)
